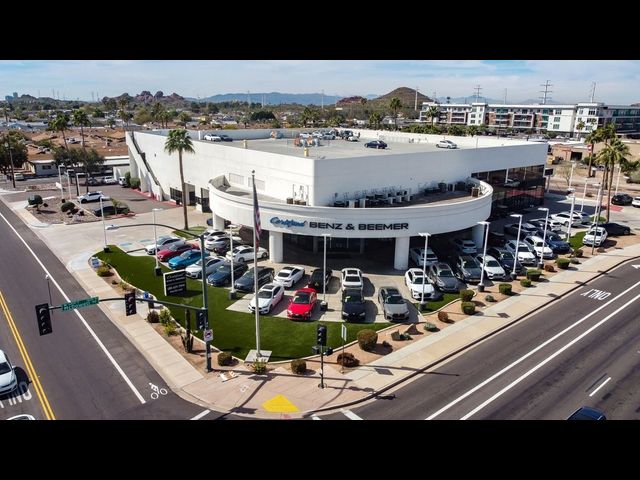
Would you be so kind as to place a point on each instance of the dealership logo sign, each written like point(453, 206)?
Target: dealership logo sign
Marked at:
point(279, 222)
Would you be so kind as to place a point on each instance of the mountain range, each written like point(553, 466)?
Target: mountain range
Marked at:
point(274, 98)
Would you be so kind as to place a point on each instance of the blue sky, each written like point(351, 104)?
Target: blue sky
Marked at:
point(617, 81)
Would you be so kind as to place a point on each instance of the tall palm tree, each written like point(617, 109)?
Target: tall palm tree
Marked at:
point(156, 112)
point(80, 119)
point(433, 112)
point(179, 141)
point(594, 136)
point(125, 116)
point(580, 126)
point(374, 119)
point(60, 124)
point(615, 153)
point(395, 105)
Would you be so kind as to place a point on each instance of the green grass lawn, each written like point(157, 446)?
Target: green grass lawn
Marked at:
point(233, 332)
point(195, 230)
point(433, 306)
point(576, 240)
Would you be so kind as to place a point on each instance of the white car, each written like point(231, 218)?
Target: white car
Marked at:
point(212, 242)
point(109, 180)
point(92, 197)
point(289, 276)
point(416, 284)
point(211, 263)
point(524, 255)
point(446, 144)
point(465, 246)
point(417, 255)
point(492, 268)
point(353, 138)
point(268, 297)
point(636, 202)
point(595, 236)
point(244, 253)
point(8, 379)
point(552, 225)
point(212, 138)
point(539, 247)
point(352, 278)
point(578, 218)
point(163, 242)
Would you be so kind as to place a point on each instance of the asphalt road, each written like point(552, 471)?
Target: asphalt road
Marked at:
point(582, 350)
point(67, 374)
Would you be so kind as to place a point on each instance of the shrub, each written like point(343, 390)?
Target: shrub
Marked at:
point(443, 316)
point(259, 367)
point(127, 179)
point(563, 263)
point(575, 261)
point(549, 268)
point(525, 282)
point(579, 253)
point(505, 288)
point(45, 205)
point(468, 308)
point(225, 359)
point(397, 336)
point(170, 329)
point(430, 327)
point(466, 295)
point(367, 340)
point(386, 344)
point(348, 360)
point(67, 207)
point(489, 298)
point(164, 316)
point(153, 317)
point(104, 271)
point(533, 274)
point(134, 183)
point(298, 366)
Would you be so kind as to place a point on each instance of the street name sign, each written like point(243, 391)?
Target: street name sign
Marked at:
point(85, 302)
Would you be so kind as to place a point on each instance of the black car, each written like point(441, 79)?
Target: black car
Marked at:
point(222, 275)
point(316, 280)
point(506, 259)
point(526, 229)
point(353, 305)
point(496, 239)
point(615, 228)
point(622, 199)
point(110, 209)
point(587, 413)
point(246, 282)
point(375, 144)
point(225, 138)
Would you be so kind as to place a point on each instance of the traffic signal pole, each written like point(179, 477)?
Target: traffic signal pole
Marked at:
point(321, 368)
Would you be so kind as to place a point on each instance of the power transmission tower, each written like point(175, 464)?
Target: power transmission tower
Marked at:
point(477, 88)
point(545, 93)
point(593, 91)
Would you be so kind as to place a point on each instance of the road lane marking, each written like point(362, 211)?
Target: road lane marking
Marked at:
point(601, 385)
point(201, 414)
point(548, 359)
point(350, 415)
point(597, 294)
point(527, 355)
point(84, 322)
point(315, 417)
point(31, 371)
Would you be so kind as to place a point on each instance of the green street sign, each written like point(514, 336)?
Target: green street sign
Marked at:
point(85, 302)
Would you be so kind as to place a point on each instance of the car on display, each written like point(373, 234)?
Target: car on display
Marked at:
point(225, 138)
point(552, 225)
point(185, 259)
point(446, 144)
point(353, 305)
point(109, 180)
point(210, 232)
point(615, 229)
point(465, 246)
point(443, 278)
point(506, 259)
point(352, 278)
point(417, 284)
point(467, 269)
point(173, 250)
point(289, 276)
point(496, 239)
point(375, 144)
point(216, 241)
point(328, 136)
point(244, 253)
point(636, 202)
point(539, 247)
point(92, 182)
point(210, 264)
point(110, 209)
point(268, 297)
point(163, 241)
point(524, 253)
point(492, 267)
point(8, 379)
point(92, 197)
point(393, 305)
point(622, 199)
point(526, 229)
point(587, 413)
point(556, 242)
point(302, 304)
point(595, 236)
point(222, 275)
point(247, 281)
point(319, 278)
point(577, 219)
point(210, 137)
point(417, 255)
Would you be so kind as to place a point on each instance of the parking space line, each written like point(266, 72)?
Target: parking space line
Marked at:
point(601, 385)
point(201, 414)
point(350, 415)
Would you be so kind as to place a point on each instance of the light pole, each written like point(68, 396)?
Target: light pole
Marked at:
point(584, 193)
point(13, 176)
point(544, 234)
point(104, 228)
point(597, 215)
point(77, 183)
point(324, 273)
point(515, 261)
point(618, 179)
point(573, 204)
point(424, 267)
point(157, 270)
point(484, 253)
point(573, 165)
point(232, 292)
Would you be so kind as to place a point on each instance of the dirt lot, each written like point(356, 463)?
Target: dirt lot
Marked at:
point(107, 141)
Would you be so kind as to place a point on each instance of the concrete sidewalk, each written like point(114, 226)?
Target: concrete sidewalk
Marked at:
point(281, 393)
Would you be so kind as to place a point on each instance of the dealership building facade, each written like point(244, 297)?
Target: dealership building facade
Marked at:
point(310, 188)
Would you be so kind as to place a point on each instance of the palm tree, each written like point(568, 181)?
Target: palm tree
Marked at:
point(123, 114)
point(595, 136)
point(374, 119)
point(179, 141)
point(395, 105)
point(111, 122)
point(580, 126)
point(80, 119)
point(613, 154)
point(433, 112)
point(472, 130)
point(60, 124)
point(157, 111)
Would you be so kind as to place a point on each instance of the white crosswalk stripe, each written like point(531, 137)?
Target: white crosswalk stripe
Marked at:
point(350, 415)
point(315, 417)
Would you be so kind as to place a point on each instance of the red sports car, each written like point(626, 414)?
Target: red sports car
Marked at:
point(174, 250)
point(302, 305)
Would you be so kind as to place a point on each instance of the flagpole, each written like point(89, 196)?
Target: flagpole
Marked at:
point(255, 262)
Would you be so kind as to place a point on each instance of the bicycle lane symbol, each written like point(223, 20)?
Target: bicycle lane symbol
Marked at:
point(157, 391)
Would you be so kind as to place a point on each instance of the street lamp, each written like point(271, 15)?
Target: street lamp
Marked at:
point(424, 267)
point(618, 179)
point(232, 292)
point(573, 204)
point(515, 261)
point(573, 165)
point(158, 270)
point(104, 228)
point(544, 234)
point(60, 179)
point(597, 215)
point(77, 184)
point(324, 273)
point(7, 144)
point(584, 194)
point(484, 253)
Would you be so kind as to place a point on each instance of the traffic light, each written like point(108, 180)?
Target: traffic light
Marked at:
point(44, 319)
point(321, 335)
point(130, 303)
point(202, 319)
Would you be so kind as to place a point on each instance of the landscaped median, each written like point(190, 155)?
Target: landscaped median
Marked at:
point(233, 332)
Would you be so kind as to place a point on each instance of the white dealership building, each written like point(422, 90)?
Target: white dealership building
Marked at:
point(307, 188)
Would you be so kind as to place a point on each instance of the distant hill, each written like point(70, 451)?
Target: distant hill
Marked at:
point(406, 95)
point(272, 98)
point(471, 98)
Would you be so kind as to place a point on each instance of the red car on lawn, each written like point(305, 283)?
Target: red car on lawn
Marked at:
point(174, 250)
point(302, 305)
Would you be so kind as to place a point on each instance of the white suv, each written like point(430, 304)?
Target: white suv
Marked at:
point(212, 138)
point(539, 247)
point(446, 144)
point(92, 197)
point(8, 380)
point(578, 218)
